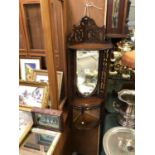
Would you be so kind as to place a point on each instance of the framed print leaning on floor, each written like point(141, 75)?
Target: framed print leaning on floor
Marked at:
point(27, 65)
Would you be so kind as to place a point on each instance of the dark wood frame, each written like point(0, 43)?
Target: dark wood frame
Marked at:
point(102, 76)
point(30, 52)
point(122, 30)
point(47, 112)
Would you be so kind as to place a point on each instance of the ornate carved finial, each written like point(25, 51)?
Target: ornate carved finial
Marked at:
point(87, 32)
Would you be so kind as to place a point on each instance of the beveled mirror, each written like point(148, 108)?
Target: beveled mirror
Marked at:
point(115, 13)
point(87, 63)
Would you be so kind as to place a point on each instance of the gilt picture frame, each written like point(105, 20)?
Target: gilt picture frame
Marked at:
point(42, 76)
point(33, 94)
point(27, 65)
point(117, 18)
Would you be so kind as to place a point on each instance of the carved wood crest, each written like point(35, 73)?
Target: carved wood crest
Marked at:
point(86, 32)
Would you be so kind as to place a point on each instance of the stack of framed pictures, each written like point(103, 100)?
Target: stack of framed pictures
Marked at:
point(30, 70)
point(41, 140)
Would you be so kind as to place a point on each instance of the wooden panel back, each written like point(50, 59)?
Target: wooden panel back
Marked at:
point(22, 39)
point(34, 25)
point(58, 39)
point(75, 11)
point(86, 142)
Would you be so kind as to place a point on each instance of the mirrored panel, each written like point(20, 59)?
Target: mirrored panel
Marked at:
point(115, 13)
point(87, 63)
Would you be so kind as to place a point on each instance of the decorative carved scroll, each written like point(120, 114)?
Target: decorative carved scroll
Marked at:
point(104, 68)
point(87, 32)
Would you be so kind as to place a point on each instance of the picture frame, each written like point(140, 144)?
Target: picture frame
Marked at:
point(25, 124)
point(49, 119)
point(33, 94)
point(40, 142)
point(44, 139)
point(27, 65)
point(42, 76)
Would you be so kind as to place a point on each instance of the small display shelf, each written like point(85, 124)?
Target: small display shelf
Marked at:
point(86, 114)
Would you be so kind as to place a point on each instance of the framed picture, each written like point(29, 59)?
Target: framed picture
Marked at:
point(45, 139)
point(42, 76)
point(33, 94)
point(27, 65)
point(40, 142)
point(47, 118)
point(25, 124)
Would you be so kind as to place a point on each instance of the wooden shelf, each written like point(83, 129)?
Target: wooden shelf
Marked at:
point(110, 35)
point(91, 46)
point(87, 102)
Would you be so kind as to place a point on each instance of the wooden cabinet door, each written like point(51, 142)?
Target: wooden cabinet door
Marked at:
point(52, 22)
point(22, 39)
point(58, 38)
point(32, 24)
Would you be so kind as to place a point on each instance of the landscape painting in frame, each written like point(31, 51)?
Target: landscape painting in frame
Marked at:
point(27, 65)
point(33, 94)
point(47, 118)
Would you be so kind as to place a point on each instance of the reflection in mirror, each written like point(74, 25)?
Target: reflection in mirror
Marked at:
point(87, 71)
point(115, 13)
